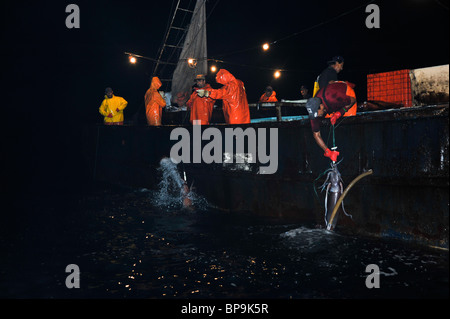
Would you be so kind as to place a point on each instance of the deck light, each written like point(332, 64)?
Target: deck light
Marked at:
point(192, 62)
point(132, 59)
point(266, 46)
point(277, 74)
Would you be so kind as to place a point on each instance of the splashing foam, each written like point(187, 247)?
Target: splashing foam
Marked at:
point(172, 191)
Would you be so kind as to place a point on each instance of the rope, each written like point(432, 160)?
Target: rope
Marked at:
point(332, 131)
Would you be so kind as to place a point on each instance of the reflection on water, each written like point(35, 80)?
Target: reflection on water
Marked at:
point(126, 247)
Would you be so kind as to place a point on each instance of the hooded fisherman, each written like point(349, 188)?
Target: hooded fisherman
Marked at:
point(334, 99)
point(112, 108)
point(235, 104)
point(154, 103)
point(269, 95)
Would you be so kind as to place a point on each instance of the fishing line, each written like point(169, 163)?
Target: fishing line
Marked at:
point(323, 23)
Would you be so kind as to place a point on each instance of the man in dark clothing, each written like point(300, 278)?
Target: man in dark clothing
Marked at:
point(305, 92)
point(335, 98)
point(330, 74)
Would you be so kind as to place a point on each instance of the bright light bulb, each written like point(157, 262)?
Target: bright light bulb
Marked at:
point(277, 74)
point(192, 62)
point(213, 69)
point(132, 59)
point(266, 46)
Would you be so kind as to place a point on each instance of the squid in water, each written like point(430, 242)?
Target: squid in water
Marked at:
point(334, 190)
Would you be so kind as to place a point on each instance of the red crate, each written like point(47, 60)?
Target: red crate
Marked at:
point(392, 87)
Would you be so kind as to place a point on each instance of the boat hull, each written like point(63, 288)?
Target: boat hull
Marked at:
point(407, 149)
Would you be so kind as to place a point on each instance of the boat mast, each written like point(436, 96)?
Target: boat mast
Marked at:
point(168, 54)
point(193, 59)
point(161, 51)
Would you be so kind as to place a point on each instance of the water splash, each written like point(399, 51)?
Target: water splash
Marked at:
point(173, 191)
point(312, 239)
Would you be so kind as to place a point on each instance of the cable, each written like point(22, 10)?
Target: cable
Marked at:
point(249, 66)
point(302, 31)
point(323, 23)
point(441, 4)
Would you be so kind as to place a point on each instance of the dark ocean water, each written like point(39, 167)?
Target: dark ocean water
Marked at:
point(131, 243)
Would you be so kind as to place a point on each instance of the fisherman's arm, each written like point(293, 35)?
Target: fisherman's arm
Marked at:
point(319, 141)
point(159, 100)
point(328, 153)
point(342, 111)
point(123, 105)
point(103, 109)
point(348, 107)
point(216, 94)
point(190, 102)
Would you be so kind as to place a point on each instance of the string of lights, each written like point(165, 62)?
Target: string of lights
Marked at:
point(265, 47)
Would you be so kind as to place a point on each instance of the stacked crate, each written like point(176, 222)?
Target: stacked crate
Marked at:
point(393, 87)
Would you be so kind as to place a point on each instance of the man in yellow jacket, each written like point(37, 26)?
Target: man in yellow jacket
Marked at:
point(112, 108)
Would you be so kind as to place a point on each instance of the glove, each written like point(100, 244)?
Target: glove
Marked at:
point(335, 117)
point(331, 154)
point(203, 93)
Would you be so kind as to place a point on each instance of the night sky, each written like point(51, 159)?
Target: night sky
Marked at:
point(53, 78)
point(73, 66)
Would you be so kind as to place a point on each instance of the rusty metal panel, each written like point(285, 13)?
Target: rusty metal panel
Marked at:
point(430, 85)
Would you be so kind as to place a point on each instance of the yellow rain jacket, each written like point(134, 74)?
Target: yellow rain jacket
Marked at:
point(113, 106)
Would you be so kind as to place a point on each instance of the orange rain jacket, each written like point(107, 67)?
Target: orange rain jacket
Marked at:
point(235, 104)
point(154, 103)
point(271, 98)
point(113, 106)
point(201, 108)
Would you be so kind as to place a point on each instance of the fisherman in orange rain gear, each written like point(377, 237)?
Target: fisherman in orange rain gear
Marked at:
point(269, 96)
point(235, 104)
point(154, 103)
point(201, 108)
point(112, 108)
